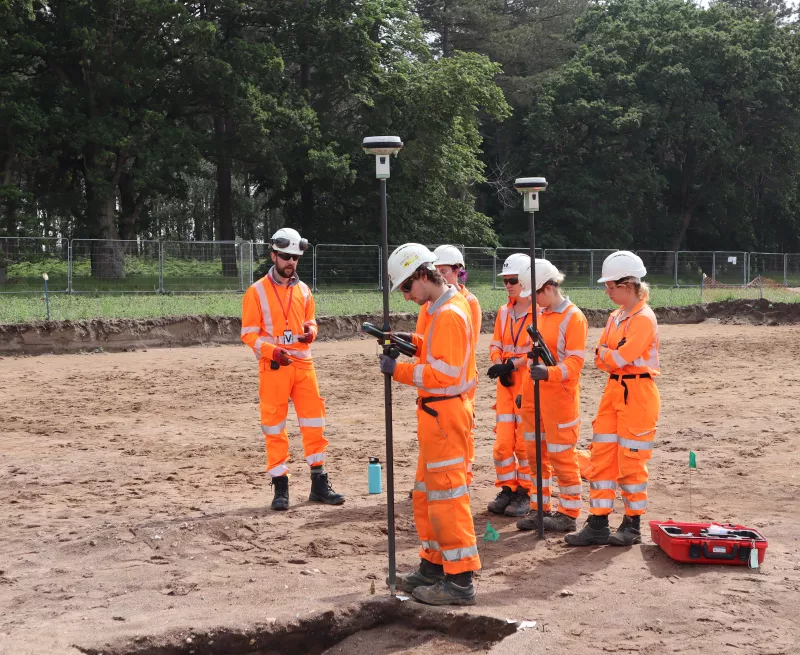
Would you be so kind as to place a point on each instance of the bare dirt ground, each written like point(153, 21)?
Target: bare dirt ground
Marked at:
point(133, 503)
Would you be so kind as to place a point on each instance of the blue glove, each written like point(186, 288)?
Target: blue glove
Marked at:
point(388, 364)
point(539, 372)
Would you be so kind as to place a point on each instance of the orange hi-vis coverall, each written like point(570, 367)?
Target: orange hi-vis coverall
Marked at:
point(444, 376)
point(564, 330)
point(274, 316)
point(477, 319)
point(625, 426)
point(510, 340)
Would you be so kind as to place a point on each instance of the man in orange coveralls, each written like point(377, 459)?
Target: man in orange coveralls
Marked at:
point(625, 425)
point(444, 374)
point(278, 324)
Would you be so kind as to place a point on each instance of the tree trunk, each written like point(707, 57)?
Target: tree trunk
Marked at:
point(131, 207)
point(223, 127)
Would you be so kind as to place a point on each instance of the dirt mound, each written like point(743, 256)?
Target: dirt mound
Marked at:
point(121, 334)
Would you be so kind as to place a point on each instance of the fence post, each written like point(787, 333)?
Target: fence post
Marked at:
point(713, 265)
point(69, 266)
point(252, 248)
point(786, 270)
point(675, 269)
point(314, 269)
point(591, 268)
point(746, 268)
point(494, 269)
point(161, 288)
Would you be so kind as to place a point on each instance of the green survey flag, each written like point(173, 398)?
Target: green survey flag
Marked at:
point(491, 534)
point(692, 460)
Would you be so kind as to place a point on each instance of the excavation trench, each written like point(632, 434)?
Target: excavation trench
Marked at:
point(377, 627)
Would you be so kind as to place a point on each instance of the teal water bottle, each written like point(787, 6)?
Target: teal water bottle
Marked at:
point(375, 480)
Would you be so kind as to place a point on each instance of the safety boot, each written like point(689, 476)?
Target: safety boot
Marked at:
point(594, 532)
point(321, 490)
point(501, 501)
point(520, 504)
point(628, 532)
point(553, 522)
point(559, 522)
point(280, 501)
point(426, 575)
point(452, 590)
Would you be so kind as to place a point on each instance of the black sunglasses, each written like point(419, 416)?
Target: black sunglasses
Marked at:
point(406, 286)
point(511, 280)
point(288, 258)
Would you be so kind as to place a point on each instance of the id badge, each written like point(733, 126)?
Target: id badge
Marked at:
point(288, 337)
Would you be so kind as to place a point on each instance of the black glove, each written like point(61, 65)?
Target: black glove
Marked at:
point(539, 372)
point(388, 364)
point(496, 370)
point(506, 380)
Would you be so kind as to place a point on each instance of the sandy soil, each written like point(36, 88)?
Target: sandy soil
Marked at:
point(133, 502)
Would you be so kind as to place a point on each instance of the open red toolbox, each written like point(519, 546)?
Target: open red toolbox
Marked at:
point(692, 543)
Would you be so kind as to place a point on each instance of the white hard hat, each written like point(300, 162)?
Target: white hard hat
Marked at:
point(288, 241)
point(620, 264)
point(545, 272)
point(515, 264)
point(405, 260)
point(448, 256)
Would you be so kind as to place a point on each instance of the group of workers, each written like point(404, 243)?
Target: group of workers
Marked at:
point(278, 324)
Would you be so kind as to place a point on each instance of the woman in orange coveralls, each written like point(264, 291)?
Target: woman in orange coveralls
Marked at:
point(625, 427)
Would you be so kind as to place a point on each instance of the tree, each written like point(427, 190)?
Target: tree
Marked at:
point(670, 127)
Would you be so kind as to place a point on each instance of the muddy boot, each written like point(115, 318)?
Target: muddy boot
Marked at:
point(321, 490)
point(503, 500)
point(595, 532)
point(558, 522)
point(520, 504)
point(426, 575)
point(453, 590)
point(280, 502)
point(628, 533)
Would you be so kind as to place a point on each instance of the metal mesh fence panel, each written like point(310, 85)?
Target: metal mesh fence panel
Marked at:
point(112, 266)
point(24, 259)
point(205, 266)
point(692, 265)
point(480, 263)
point(793, 269)
point(576, 265)
point(730, 267)
point(598, 257)
point(769, 265)
point(660, 265)
point(342, 267)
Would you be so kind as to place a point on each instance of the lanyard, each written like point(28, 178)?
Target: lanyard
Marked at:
point(521, 319)
point(289, 302)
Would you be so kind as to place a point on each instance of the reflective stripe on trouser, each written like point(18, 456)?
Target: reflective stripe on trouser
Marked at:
point(275, 389)
point(441, 496)
point(509, 453)
point(560, 411)
point(471, 398)
point(622, 443)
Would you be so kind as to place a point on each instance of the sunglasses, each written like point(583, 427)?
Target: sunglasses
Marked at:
point(406, 286)
point(510, 281)
point(288, 258)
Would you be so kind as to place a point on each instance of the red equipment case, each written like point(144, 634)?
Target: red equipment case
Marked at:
point(691, 543)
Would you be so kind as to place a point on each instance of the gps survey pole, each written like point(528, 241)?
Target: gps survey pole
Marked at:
point(530, 187)
point(383, 147)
